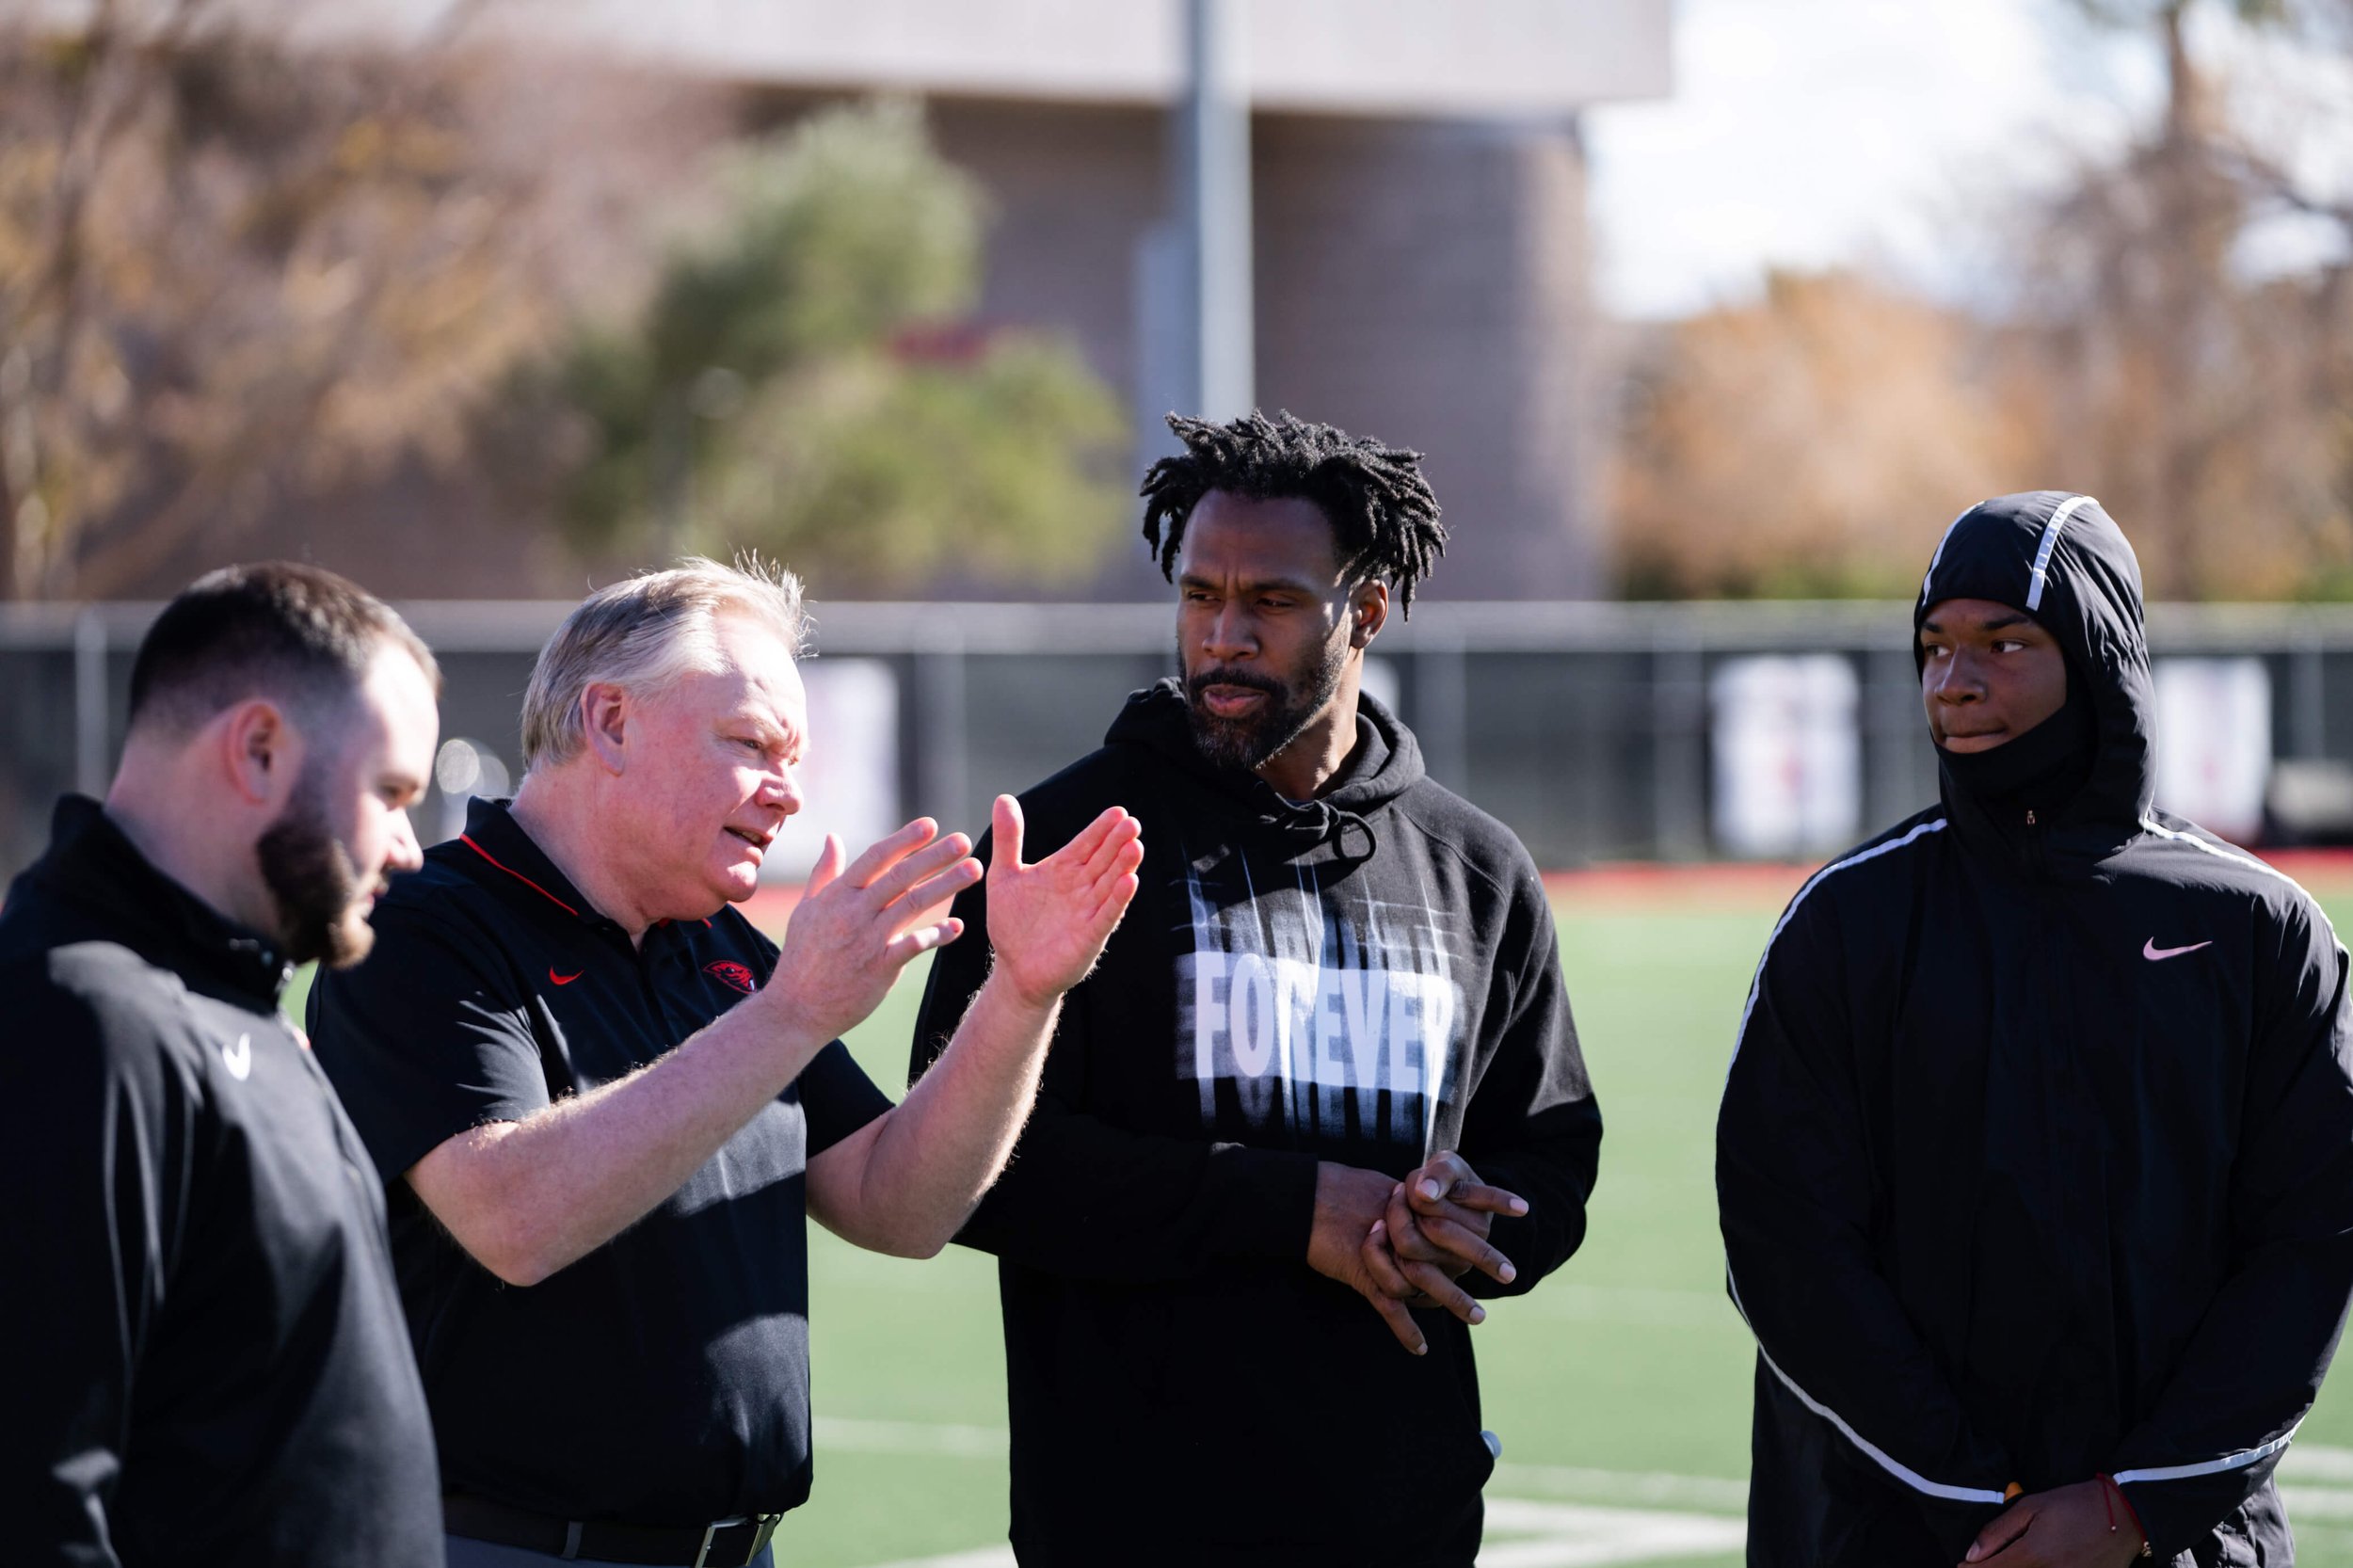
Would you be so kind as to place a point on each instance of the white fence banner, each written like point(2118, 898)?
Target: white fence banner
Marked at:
point(849, 767)
point(2214, 742)
point(1788, 761)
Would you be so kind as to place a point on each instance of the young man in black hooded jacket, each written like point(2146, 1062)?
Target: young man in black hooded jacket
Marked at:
point(1323, 1084)
point(2035, 1162)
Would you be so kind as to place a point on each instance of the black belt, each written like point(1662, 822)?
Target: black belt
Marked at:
point(727, 1543)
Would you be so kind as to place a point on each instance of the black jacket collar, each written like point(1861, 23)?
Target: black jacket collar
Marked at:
point(92, 866)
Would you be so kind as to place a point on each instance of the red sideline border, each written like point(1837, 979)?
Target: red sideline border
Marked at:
point(1743, 884)
point(1725, 885)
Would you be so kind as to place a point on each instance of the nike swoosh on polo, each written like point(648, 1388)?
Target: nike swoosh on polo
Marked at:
point(2149, 949)
point(564, 979)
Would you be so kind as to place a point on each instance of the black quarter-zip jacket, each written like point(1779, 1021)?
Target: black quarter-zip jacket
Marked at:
point(2035, 1159)
point(201, 1353)
point(1367, 978)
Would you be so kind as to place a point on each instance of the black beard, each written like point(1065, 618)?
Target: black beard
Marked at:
point(317, 888)
point(1248, 743)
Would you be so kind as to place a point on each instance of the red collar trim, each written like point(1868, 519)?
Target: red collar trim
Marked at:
point(467, 839)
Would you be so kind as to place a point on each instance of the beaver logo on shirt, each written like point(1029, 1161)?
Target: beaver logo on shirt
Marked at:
point(732, 975)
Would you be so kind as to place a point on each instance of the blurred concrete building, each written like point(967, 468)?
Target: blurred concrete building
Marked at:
point(1418, 210)
point(1417, 213)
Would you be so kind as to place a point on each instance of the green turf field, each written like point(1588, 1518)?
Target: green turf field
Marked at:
point(1620, 1386)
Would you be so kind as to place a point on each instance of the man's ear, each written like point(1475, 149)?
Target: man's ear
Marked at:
point(1368, 611)
point(604, 715)
point(260, 750)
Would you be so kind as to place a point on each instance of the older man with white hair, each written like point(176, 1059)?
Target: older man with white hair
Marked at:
point(604, 1104)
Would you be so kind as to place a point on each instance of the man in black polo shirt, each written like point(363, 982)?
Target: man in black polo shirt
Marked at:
point(204, 1360)
point(605, 1103)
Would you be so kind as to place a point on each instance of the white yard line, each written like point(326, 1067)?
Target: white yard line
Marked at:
point(1710, 1494)
point(2317, 1502)
point(1573, 1535)
point(988, 1556)
point(2317, 1461)
point(1698, 1515)
point(1534, 1535)
point(909, 1437)
point(1523, 1533)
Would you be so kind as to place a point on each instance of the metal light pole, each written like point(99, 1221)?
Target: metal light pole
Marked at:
point(1214, 211)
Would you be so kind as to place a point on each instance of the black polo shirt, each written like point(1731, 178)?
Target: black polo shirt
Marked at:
point(201, 1354)
point(663, 1378)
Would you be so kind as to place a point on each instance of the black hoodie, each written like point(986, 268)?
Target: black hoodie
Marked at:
point(1370, 977)
point(202, 1356)
point(2035, 1160)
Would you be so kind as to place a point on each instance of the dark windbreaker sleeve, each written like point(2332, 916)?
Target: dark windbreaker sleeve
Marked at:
point(2255, 1363)
point(1086, 1199)
point(98, 1143)
point(1795, 1195)
point(1532, 1126)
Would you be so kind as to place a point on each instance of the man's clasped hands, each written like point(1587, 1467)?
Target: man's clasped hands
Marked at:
point(1403, 1244)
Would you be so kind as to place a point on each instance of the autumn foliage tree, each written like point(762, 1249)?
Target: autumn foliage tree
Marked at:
point(1812, 440)
point(1799, 445)
point(2210, 404)
point(229, 272)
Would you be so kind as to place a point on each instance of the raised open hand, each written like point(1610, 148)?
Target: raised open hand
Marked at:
point(858, 925)
point(1048, 921)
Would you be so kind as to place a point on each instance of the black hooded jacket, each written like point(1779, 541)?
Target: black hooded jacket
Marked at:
point(2035, 1160)
point(1368, 978)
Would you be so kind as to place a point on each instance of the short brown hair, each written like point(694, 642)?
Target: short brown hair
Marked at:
point(279, 628)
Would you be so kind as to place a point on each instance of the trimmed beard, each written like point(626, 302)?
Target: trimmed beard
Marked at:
point(320, 910)
point(1250, 743)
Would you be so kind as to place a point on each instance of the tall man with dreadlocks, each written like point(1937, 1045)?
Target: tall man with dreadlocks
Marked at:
point(1321, 1093)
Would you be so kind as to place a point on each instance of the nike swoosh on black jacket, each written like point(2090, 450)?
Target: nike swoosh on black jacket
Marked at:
point(2004, 1199)
point(202, 1356)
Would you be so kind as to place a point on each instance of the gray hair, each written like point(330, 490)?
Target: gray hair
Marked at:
point(645, 632)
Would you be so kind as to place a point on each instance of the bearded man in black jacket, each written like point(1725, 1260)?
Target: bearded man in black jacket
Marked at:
point(1323, 1091)
point(2035, 1162)
point(206, 1359)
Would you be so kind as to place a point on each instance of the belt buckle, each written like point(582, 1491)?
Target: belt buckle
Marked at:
point(764, 1526)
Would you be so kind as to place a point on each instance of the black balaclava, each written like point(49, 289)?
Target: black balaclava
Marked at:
point(2084, 774)
point(2040, 771)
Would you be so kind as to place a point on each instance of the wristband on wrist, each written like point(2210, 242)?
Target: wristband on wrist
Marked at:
point(2110, 1496)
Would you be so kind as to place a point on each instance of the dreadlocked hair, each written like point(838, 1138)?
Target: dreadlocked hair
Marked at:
point(1383, 515)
